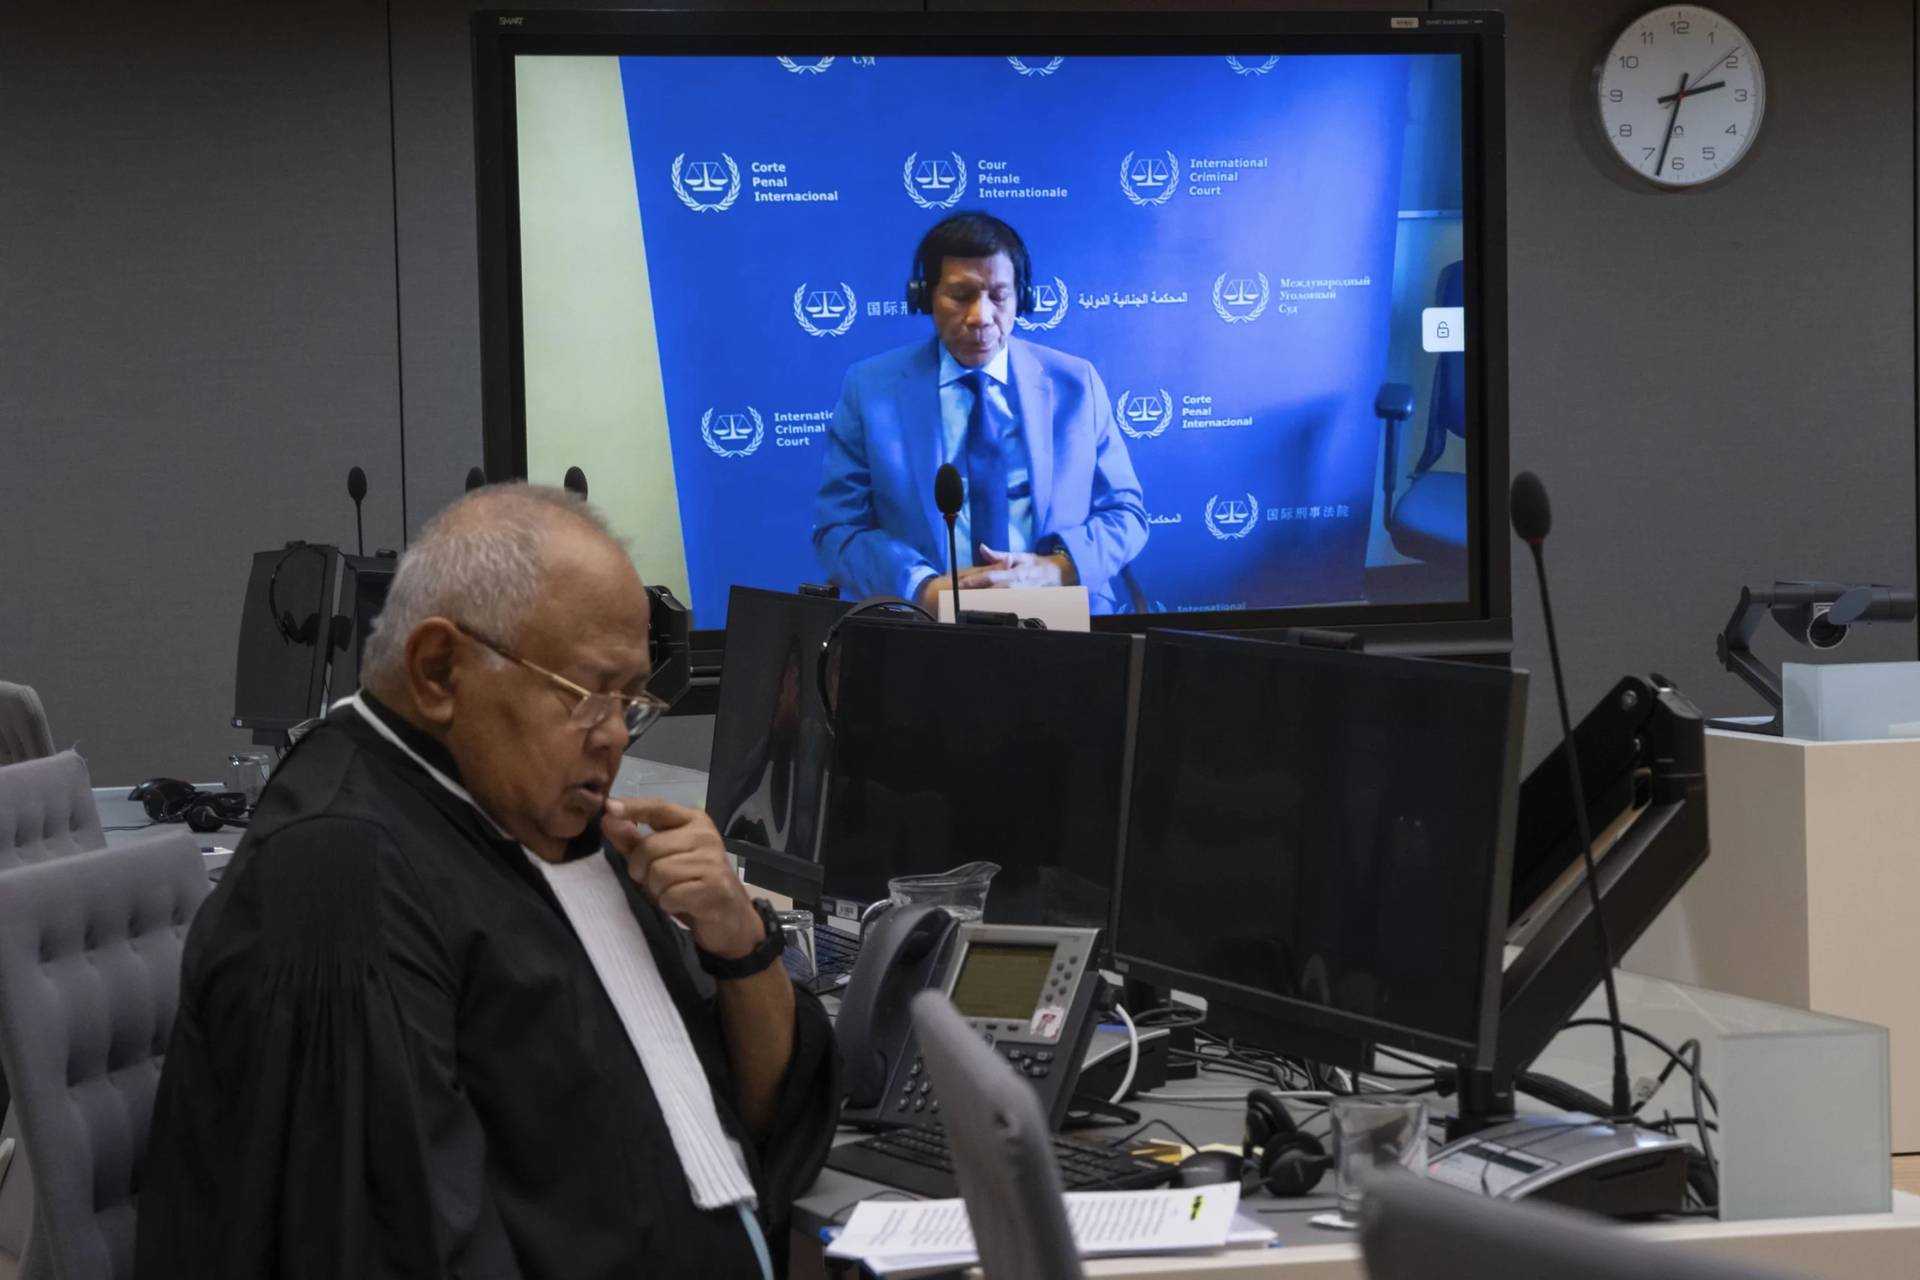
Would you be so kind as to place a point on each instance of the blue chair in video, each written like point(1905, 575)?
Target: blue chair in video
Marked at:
point(1427, 519)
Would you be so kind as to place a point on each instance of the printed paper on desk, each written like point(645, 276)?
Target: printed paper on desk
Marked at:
point(893, 1235)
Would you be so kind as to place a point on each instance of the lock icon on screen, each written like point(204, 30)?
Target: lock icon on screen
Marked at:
point(1443, 331)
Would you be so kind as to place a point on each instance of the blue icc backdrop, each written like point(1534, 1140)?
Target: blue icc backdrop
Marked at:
point(1216, 235)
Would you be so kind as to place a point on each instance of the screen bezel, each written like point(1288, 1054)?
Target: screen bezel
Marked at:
point(1314, 1023)
point(1481, 624)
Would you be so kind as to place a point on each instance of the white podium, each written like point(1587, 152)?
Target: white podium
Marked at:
point(1810, 895)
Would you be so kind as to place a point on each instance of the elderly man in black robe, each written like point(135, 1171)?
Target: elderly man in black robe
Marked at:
point(454, 1010)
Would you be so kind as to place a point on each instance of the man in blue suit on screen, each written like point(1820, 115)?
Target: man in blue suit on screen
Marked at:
point(1051, 497)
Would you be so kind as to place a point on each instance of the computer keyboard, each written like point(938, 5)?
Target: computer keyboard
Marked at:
point(919, 1160)
point(834, 954)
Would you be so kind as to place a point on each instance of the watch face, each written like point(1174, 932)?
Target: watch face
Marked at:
point(1681, 95)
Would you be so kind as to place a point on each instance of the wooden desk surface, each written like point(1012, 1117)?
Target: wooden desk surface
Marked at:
point(1906, 1174)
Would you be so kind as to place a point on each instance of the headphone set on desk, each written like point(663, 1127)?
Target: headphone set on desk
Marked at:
point(1291, 1161)
point(926, 276)
point(171, 800)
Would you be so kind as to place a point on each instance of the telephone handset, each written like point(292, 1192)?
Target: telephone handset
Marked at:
point(1028, 990)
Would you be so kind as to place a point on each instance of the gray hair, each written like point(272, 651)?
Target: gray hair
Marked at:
point(479, 563)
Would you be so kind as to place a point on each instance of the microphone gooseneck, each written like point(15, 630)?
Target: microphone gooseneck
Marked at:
point(1532, 519)
point(949, 495)
point(357, 490)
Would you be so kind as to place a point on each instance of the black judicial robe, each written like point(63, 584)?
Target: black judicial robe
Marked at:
point(393, 1058)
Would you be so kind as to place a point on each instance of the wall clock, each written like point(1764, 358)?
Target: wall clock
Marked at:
point(1681, 95)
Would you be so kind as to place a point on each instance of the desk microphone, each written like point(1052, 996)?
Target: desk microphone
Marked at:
point(1532, 519)
point(576, 481)
point(476, 479)
point(357, 490)
point(948, 495)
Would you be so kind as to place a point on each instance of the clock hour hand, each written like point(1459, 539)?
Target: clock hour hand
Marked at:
point(1692, 93)
point(1673, 118)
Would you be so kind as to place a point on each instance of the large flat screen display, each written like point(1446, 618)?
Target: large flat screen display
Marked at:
point(1211, 343)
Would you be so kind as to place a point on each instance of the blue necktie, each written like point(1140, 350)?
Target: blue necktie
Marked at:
point(986, 465)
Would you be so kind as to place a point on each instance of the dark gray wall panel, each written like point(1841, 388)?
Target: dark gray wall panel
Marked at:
point(196, 244)
point(1717, 386)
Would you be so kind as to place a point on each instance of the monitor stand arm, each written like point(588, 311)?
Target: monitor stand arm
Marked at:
point(1639, 876)
point(1735, 650)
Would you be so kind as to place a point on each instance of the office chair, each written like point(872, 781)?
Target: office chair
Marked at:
point(24, 734)
point(1412, 1229)
point(46, 811)
point(90, 949)
point(1002, 1151)
point(1429, 521)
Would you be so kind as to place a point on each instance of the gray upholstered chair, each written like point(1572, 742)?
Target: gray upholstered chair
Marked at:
point(90, 950)
point(24, 734)
point(1002, 1150)
point(47, 810)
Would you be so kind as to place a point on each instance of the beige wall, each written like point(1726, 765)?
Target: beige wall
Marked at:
point(594, 396)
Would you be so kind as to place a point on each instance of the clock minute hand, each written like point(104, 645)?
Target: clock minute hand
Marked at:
point(1692, 93)
point(1673, 118)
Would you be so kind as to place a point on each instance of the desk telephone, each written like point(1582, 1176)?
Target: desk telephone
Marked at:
point(1028, 990)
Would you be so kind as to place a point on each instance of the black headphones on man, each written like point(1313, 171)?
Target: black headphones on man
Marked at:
point(1291, 1161)
point(926, 274)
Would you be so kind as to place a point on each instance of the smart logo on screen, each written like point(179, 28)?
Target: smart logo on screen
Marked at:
point(935, 183)
point(706, 186)
point(733, 435)
point(1035, 66)
point(805, 68)
point(1230, 519)
point(825, 313)
point(1049, 307)
point(1149, 180)
point(1144, 417)
point(1241, 299)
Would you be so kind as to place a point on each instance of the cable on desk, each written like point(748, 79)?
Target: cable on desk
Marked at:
point(1133, 1057)
point(1125, 1138)
point(1657, 1043)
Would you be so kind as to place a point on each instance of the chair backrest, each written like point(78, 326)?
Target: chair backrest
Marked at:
point(1002, 1150)
point(90, 950)
point(1447, 410)
point(1412, 1229)
point(24, 734)
point(47, 810)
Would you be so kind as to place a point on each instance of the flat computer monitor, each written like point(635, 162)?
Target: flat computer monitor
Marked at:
point(953, 744)
point(364, 581)
point(771, 742)
point(1258, 370)
point(1321, 842)
point(285, 628)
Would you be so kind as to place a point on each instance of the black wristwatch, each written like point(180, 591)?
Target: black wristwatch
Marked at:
point(764, 956)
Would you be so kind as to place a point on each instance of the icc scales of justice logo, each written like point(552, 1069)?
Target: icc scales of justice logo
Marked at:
point(733, 435)
point(935, 183)
point(1145, 416)
point(1049, 306)
point(1253, 66)
point(1149, 180)
point(805, 66)
point(825, 313)
point(1241, 299)
point(706, 186)
point(1230, 519)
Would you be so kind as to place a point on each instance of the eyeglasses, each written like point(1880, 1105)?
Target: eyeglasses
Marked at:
point(639, 711)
